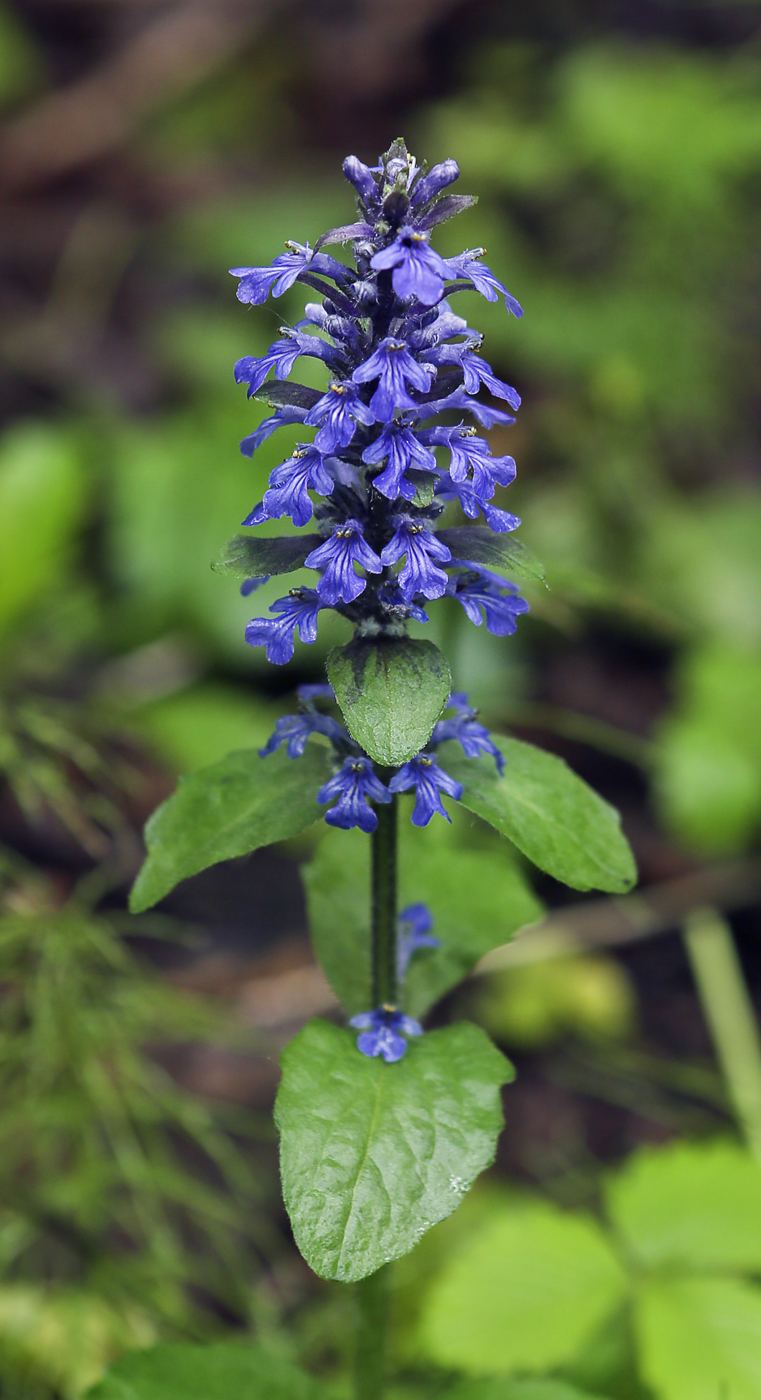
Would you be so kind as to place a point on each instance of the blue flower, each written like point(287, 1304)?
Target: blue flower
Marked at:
point(282, 356)
point(437, 179)
point(287, 493)
point(484, 414)
point(393, 366)
point(420, 574)
point(300, 610)
point(296, 729)
point(500, 521)
point(423, 773)
point(355, 786)
point(471, 460)
point(319, 690)
point(414, 924)
point(475, 372)
point(282, 418)
point(337, 556)
point(464, 727)
point(257, 282)
point(382, 1033)
point(361, 177)
point(482, 277)
point(339, 410)
point(390, 595)
point(485, 595)
point(418, 270)
point(403, 450)
point(250, 585)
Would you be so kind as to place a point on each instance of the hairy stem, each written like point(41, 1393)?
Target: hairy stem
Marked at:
point(384, 840)
point(372, 1310)
point(730, 1015)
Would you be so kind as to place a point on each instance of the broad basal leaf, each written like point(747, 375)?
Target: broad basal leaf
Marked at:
point(524, 1294)
point(478, 546)
point(478, 899)
point(391, 693)
point(700, 1338)
point(227, 810)
point(694, 1206)
point(372, 1155)
point(560, 823)
point(217, 1371)
point(245, 556)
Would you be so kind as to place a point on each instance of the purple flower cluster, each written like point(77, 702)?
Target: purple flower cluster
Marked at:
point(355, 786)
point(403, 368)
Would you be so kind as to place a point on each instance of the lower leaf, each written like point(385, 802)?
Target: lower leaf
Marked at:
point(179, 1371)
point(700, 1338)
point(371, 1154)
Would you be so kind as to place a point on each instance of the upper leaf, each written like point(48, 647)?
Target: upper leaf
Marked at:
point(699, 1338)
point(524, 1294)
point(691, 1205)
point(391, 693)
point(244, 556)
point(280, 394)
point(478, 546)
point(550, 814)
point(478, 899)
point(227, 810)
point(446, 207)
point(217, 1371)
point(372, 1155)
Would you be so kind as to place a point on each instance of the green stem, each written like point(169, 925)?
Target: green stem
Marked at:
point(372, 1310)
point(730, 1015)
point(384, 905)
point(372, 1292)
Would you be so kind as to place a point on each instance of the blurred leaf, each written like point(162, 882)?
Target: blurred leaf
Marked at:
point(531, 1006)
point(21, 64)
point(551, 815)
point(218, 1371)
point(708, 789)
point(62, 1340)
point(201, 725)
point(478, 899)
point(42, 503)
point(391, 694)
point(524, 1294)
point(228, 809)
point(393, 1149)
point(700, 1338)
point(694, 1206)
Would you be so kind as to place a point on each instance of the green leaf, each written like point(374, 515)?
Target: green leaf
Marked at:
point(477, 546)
point(372, 1155)
point(294, 395)
point(478, 899)
point(524, 1294)
point(227, 810)
point(391, 693)
point(217, 1371)
point(700, 1339)
point(560, 823)
point(247, 557)
point(691, 1205)
point(424, 484)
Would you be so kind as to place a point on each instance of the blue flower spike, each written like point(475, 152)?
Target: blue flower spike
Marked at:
point(383, 1033)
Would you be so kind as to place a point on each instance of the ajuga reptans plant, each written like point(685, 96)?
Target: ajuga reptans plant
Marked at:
point(384, 1126)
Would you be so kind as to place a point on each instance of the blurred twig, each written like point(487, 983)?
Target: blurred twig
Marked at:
point(89, 118)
